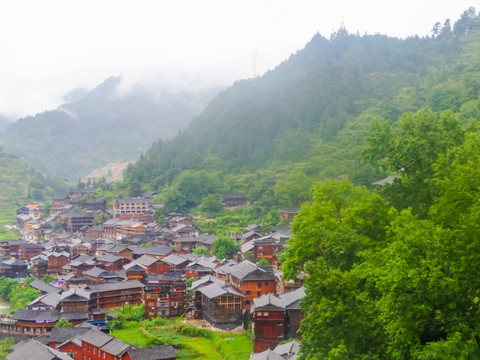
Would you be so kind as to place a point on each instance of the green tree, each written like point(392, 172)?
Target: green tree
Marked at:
point(100, 217)
point(48, 279)
point(225, 247)
point(212, 203)
point(293, 190)
point(411, 147)
point(263, 262)
point(341, 221)
point(63, 323)
point(201, 251)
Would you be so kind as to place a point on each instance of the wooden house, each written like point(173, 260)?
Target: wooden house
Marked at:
point(45, 302)
point(164, 296)
point(153, 265)
point(221, 306)
point(269, 322)
point(77, 220)
point(56, 261)
point(112, 295)
point(262, 248)
point(252, 281)
point(276, 318)
point(74, 301)
point(97, 345)
point(134, 270)
point(177, 263)
point(234, 200)
point(101, 276)
point(200, 268)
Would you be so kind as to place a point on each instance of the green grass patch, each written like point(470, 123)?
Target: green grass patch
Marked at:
point(193, 343)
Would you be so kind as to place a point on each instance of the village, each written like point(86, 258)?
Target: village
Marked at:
point(131, 259)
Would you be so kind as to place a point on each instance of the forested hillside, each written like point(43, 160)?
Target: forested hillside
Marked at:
point(19, 183)
point(100, 126)
point(307, 120)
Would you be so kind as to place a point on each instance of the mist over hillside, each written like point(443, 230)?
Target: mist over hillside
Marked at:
point(106, 124)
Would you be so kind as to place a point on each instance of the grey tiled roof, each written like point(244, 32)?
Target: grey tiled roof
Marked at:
point(215, 290)
point(153, 353)
point(62, 334)
point(269, 301)
point(130, 284)
point(95, 337)
point(266, 355)
point(35, 350)
point(247, 270)
point(44, 287)
point(115, 347)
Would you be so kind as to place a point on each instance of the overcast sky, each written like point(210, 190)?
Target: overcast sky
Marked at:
point(50, 47)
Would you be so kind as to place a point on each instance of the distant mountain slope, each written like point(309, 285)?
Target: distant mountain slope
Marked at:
point(19, 183)
point(4, 123)
point(313, 111)
point(99, 127)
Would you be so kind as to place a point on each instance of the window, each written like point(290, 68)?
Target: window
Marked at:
point(259, 284)
point(248, 292)
point(247, 302)
point(265, 283)
point(265, 314)
point(258, 293)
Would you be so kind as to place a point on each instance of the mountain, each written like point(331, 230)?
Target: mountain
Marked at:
point(312, 113)
point(20, 184)
point(4, 123)
point(103, 125)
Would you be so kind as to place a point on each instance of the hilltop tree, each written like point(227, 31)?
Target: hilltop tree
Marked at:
point(225, 247)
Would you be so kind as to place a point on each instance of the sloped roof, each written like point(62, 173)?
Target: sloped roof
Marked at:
point(95, 272)
point(225, 268)
point(121, 285)
point(215, 290)
point(249, 245)
point(153, 353)
point(75, 294)
point(288, 349)
point(202, 261)
point(206, 280)
point(62, 334)
point(44, 287)
point(115, 347)
point(109, 258)
point(95, 337)
point(266, 355)
point(50, 299)
point(134, 266)
point(156, 250)
point(247, 270)
point(146, 260)
point(269, 301)
point(291, 299)
point(175, 259)
point(35, 350)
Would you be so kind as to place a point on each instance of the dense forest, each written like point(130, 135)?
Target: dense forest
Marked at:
point(93, 128)
point(307, 119)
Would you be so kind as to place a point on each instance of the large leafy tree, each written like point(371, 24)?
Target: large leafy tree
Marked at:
point(225, 247)
point(411, 147)
point(330, 234)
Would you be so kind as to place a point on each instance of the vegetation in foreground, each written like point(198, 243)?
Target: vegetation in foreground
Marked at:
point(193, 343)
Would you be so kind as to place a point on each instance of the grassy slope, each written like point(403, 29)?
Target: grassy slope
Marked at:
point(192, 343)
